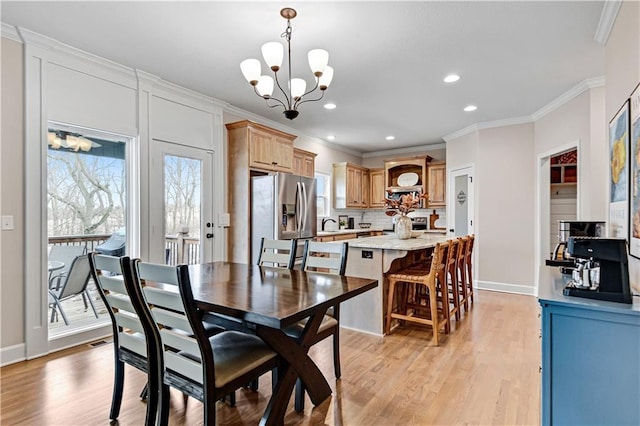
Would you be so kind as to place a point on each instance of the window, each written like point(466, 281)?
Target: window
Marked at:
point(323, 188)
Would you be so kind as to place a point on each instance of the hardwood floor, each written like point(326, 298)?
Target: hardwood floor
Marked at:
point(484, 372)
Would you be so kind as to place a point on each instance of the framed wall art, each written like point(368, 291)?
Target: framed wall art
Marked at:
point(619, 173)
point(634, 213)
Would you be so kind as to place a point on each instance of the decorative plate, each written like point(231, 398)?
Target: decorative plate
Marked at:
point(408, 179)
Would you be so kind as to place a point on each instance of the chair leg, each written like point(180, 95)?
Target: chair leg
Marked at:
point(64, 316)
point(299, 401)
point(253, 385)
point(118, 385)
point(95, 312)
point(164, 404)
point(336, 352)
point(392, 286)
point(144, 394)
point(54, 312)
point(274, 379)
point(434, 313)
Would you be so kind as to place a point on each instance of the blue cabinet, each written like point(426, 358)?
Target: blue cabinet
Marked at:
point(590, 358)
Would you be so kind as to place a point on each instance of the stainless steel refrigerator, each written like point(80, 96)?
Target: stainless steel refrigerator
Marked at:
point(283, 207)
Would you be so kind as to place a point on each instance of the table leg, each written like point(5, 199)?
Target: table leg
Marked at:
point(297, 364)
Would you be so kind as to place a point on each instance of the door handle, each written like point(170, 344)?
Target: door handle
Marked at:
point(451, 230)
point(209, 235)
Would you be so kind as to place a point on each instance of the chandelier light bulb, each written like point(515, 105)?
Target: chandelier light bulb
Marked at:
point(318, 60)
point(325, 79)
point(265, 86)
point(251, 70)
point(273, 53)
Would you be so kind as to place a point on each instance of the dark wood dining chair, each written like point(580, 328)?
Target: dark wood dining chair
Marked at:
point(329, 258)
point(130, 344)
point(204, 367)
point(277, 253)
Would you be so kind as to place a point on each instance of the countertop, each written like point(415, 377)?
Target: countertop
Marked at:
point(552, 282)
point(348, 231)
point(391, 242)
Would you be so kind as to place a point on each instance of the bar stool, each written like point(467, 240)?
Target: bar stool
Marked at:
point(468, 260)
point(461, 273)
point(420, 277)
point(451, 279)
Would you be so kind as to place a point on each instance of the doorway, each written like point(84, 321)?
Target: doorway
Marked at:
point(184, 206)
point(461, 201)
point(86, 206)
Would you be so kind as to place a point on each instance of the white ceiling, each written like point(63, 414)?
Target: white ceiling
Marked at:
point(389, 57)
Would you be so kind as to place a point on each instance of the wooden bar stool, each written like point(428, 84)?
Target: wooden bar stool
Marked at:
point(418, 276)
point(451, 281)
point(468, 260)
point(461, 266)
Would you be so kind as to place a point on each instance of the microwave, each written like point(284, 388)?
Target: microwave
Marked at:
point(396, 192)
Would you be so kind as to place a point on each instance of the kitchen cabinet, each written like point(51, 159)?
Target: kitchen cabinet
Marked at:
point(590, 352)
point(266, 149)
point(348, 186)
point(252, 149)
point(304, 163)
point(377, 189)
point(436, 184)
point(401, 166)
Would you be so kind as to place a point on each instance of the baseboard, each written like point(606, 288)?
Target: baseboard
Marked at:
point(506, 288)
point(370, 333)
point(12, 354)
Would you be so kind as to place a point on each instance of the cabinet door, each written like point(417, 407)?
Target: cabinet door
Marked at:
point(308, 166)
point(376, 188)
point(364, 190)
point(436, 185)
point(354, 183)
point(282, 154)
point(260, 149)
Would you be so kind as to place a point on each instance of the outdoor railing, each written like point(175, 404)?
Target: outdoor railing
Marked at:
point(178, 249)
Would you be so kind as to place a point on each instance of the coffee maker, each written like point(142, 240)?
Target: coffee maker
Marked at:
point(601, 271)
point(575, 228)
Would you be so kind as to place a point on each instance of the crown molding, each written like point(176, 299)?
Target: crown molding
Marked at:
point(419, 149)
point(10, 32)
point(569, 95)
point(607, 19)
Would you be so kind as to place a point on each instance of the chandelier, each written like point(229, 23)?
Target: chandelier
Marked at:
point(72, 141)
point(295, 92)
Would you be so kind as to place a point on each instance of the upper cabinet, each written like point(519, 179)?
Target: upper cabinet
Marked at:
point(377, 191)
point(436, 188)
point(406, 172)
point(304, 163)
point(264, 148)
point(350, 186)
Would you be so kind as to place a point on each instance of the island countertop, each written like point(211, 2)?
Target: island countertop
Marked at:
point(391, 242)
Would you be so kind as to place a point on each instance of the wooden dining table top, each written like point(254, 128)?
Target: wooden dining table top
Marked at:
point(268, 296)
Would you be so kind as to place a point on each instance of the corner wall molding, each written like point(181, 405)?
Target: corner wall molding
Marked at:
point(409, 150)
point(488, 125)
point(10, 32)
point(607, 19)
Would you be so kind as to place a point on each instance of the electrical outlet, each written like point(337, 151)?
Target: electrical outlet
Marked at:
point(367, 254)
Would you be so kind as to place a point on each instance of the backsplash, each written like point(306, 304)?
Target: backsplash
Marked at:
point(377, 218)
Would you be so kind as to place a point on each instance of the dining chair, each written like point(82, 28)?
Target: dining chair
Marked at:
point(277, 253)
point(204, 367)
point(330, 258)
point(451, 283)
point(130, 344)
point(420, 276)
point(74, 283)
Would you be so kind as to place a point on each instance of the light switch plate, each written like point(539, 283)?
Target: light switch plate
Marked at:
point(225, 219)
point(7, 223)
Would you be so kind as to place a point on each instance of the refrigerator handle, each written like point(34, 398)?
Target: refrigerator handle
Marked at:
point(298, 206)
point(304, 204)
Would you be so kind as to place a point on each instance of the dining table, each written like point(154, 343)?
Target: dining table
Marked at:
point(266, 300)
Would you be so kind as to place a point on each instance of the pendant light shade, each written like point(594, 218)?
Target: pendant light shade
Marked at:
point(298, 86)
point(318, 60)
point(273, 53)
point(325, 79)
point(251, 70)
point(265, 86)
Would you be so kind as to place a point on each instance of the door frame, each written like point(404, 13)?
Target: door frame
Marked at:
point(543, 202)
point(157, 150)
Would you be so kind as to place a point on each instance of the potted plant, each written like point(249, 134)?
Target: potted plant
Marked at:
point(403, 206)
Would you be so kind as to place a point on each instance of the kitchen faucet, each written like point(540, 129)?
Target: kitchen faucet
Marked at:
point(325, 220)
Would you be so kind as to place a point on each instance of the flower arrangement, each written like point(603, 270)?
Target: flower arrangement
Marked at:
point(407, 203)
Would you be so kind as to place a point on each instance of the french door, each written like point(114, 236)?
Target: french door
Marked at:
point(180, 204)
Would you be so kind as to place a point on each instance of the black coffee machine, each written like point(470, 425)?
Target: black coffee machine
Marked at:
point(601, 271)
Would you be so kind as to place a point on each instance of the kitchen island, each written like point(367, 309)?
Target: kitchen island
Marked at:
point(374, 257)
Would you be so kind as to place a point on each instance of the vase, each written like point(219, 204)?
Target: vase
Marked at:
point(403, 227)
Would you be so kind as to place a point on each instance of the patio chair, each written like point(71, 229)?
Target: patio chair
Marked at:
point(64, 254)
point(74, 284)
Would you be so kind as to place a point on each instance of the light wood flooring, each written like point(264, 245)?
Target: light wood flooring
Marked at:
point(484, 372)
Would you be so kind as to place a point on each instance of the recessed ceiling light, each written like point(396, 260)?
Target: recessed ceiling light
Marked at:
point(470, 108)
point(330, 106)
point(390, 138)
point(451, 78)
point(331, 137)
